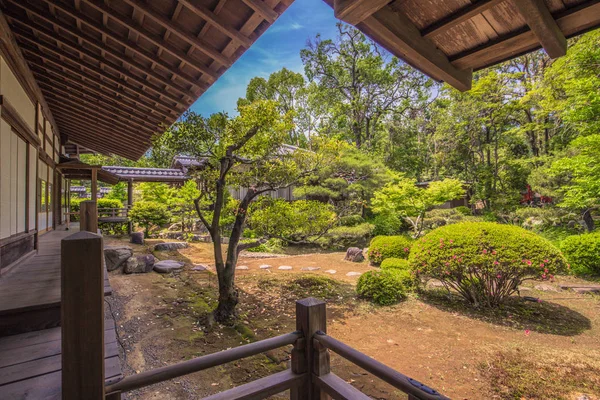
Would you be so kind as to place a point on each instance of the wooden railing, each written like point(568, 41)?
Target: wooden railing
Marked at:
point(309, 376)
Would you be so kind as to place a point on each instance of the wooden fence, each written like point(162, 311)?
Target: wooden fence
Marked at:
point(308, 378)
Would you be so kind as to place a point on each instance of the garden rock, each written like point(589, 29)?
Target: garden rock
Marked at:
point(242, 267)
point(330, 271)
point(353, 274)
point(171, 246)
point(137, 238)
point(116, 256)
point(200, 267)
point(354, 254)
point(167, 266)
point(544, 287)
point(139, 264)
point(285, 267)
point(175, 227)
point(311, 268)
point(265, 266)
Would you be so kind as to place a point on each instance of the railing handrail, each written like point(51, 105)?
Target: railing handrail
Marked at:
point(380, 370)
point(201, 363)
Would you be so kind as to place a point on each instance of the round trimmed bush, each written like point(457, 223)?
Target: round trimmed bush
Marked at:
point(484, 261)
point(583, 252)
point(383, 287)
point(383, 247)
point(395, 263)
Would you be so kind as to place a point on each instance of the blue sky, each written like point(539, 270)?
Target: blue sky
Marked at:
point(278, 47)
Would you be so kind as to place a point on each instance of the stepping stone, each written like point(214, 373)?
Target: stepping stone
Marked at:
point(312, 269)
point(285, 268)
point(330, 271)
point(171, 246)
point(354, 274)
point(167, 266)
point(546, 288)
point(200, 267)
point(242, 267)
point(265, 266)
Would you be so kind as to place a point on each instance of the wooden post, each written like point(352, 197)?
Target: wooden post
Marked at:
point(82, 316)
point(310, 318)
point(129, 204)
point(88, 216)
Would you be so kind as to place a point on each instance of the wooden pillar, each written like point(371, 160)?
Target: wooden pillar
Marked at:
point(129, 204)
point(82, 316)
point(306, 357)
point(94, 184)
point(88, 216)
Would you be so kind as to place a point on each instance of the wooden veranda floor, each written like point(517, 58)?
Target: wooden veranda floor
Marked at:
point(30, 292)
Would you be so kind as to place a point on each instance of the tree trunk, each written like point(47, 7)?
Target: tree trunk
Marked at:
point(225, 312)
point(588, 220)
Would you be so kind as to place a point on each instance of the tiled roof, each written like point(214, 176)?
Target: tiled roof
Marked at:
point(147, 174)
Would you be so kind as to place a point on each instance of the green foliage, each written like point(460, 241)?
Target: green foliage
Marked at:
point(583, 252)
point(383, 247)
point(395, 263)
point(118, 192)
point(466, 211)
point(342, 237)
point(387, 224)
point(351, 220)
point(485, 262)
point(181, 203)
point(300, 221)
point(148, 214)
point(101, 203)
point(272, 245)
point(445, 216)
point(405, 199)
point(383, 287)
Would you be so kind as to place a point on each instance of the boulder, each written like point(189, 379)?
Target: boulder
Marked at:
point(166, 266)
point(116, 256)
point(354, 254)
point(139, 264)
point(175, 227)
point(171, 246)
point(137, 237)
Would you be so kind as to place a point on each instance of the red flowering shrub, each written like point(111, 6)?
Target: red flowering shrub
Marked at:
point(383, 247)
point(483, 261)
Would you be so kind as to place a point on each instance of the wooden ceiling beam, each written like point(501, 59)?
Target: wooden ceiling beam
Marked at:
point(458, 17)
point(129, 45)
point(58, 25)
point(56, 66)
point(80, 88)
point(214, 20)
point(543, 26)
point(21, 35)
point(394, 31)
point(74, 133)
point(158, 41)
point(355, 11)
point(261, 8)
point(202, 45)
point(571, 22)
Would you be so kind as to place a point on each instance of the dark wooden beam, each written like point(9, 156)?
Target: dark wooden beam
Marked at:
point(59, 26)
point(543, 26)
point(97, 147)
point(214, 20)
point(355, 11)
point(460, 16)
point(394, 31)
point(571, 22)
point(261, 8)
point(202, 45)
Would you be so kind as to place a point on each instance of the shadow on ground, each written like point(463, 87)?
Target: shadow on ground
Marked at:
point(515, 312)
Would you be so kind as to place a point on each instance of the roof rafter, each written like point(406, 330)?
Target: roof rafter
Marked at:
point(355, 11)
point(261, 8)
point(460, 16)
point(543, 26)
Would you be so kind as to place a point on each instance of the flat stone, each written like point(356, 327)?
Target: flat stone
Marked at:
point(115, 257)
point(200, 267)
point(167, 266)
point(137, 238)
point(586, 289)
point(285, 268)
point(242, 267)
point(544, 287)
point(139, 264)
point(330, 271)
point(171, 246)
point(312, 269)
point(354, 274)
point(265, 266)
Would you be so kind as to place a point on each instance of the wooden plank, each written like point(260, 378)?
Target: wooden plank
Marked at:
point(338, 388)
point(543, 26)
point(355, 11)
point(82, 310)
point(460, 16)
point(262, 9)
point(262, 388)
point(395, 32)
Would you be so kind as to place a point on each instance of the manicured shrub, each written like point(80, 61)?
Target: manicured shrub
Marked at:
point(342, 237)
point(101, 203)
point(583, 252)
point(395, 263)
point(384, 287)
point(483, 261)
point(383, 247)
point(351, 220)
point(148, 214)
point(464, 210)
point(446, 216)
point(388, 224)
